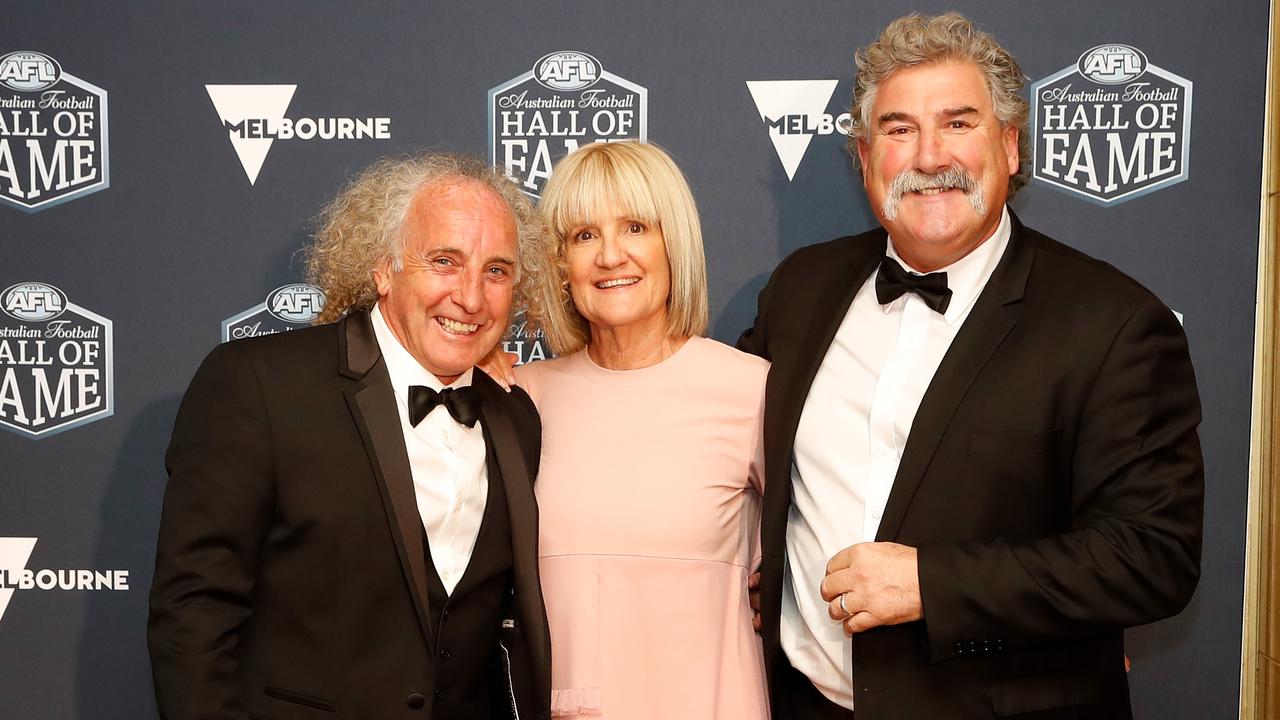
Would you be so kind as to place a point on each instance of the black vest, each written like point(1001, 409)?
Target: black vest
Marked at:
point(469, 674)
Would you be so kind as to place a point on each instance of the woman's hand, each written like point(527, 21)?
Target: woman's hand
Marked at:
point(753, 596)
point(500, 366)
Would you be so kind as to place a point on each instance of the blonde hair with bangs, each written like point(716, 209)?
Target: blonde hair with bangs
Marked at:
point(642, 181)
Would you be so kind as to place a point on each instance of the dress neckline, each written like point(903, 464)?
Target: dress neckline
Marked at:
point(659, 368)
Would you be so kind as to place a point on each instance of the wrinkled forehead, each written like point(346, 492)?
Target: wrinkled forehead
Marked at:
point(459, 193)
point(452, 207)
point(932, 88)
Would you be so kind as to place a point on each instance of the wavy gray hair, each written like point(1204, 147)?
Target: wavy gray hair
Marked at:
point(363, 226)
point(918, 39)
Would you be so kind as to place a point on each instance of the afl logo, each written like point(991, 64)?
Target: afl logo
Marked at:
point(567, 70)
point(28, 71)
point(33, 302)
point(299, 303)
point(1112, 64)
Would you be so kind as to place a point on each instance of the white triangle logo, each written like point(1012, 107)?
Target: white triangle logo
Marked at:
point(777, 99)
point(236, 103)
point(14, 554)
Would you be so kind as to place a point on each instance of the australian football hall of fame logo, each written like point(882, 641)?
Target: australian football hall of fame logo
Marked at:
point(254, 118)
point(286, 308)
point(55, 362)
point(567, 100)
point(795, 112)
point(1111, 127)
point(15, 576)
point(53, 133)
point(527, 342)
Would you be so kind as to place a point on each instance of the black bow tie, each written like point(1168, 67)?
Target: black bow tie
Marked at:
point(893, 282)
point(462, 403)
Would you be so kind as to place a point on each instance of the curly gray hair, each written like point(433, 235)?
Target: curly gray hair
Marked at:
point(363, 226)
point(917, 40)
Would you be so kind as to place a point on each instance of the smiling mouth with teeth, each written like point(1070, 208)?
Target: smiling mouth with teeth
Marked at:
point(619, 282)
point(457, 328)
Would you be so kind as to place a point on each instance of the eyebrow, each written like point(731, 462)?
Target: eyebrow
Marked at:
point(896, 115)
point(502, 259)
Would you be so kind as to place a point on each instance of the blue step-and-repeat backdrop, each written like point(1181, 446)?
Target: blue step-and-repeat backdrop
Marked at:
point(161, 165)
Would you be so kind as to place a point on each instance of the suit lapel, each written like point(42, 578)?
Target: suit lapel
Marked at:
point(994, 315)
point(827, 313)
point(787, 389)
point(373, 407)
point(503, 442)
point(505, 446)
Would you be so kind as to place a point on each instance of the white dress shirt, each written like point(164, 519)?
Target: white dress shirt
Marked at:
point(849, 442)
point(447, 458)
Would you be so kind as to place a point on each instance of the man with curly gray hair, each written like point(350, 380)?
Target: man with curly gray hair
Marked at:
point(981, 445)
point(349, 525)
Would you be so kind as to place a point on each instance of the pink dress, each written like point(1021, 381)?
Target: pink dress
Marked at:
point(649, 498)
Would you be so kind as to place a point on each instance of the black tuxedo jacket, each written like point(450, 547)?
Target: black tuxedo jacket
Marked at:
point(290, 573)
point(1052, 482)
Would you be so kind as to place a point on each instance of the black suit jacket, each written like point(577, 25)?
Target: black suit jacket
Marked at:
point(1052, 482)
point(290, 572)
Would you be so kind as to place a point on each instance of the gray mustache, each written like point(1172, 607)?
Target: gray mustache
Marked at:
point(953, 178)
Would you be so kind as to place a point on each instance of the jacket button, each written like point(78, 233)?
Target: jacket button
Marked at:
point(415, 701)
point(445, 654)
point(439, 694)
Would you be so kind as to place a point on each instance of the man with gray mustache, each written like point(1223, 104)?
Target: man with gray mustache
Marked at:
point(981, 447)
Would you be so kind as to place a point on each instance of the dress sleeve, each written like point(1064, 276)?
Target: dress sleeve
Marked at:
point(756, 476)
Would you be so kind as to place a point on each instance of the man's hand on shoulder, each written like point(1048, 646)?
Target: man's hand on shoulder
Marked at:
point(879, 584)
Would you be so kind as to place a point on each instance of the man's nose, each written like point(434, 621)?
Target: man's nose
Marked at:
point(932, 152)
point(469, 293)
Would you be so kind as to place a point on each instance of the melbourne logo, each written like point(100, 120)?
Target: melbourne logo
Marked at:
point(567, 100)
point(286, 308)
point(795, 111)
point(15, 553)
point(253, 116)
point(55, 362)
point(53, 133)
point(1111, 127)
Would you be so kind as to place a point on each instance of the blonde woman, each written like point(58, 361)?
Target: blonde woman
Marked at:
point(651, 473)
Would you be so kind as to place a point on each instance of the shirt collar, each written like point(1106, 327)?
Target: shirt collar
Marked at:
point(967, 276)
point(403, 368)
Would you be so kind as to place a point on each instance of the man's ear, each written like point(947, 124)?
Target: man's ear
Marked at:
point(382, 277)
point(864, 149)
point(1011, 149)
